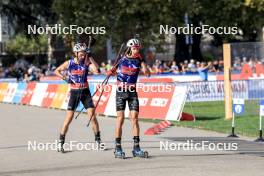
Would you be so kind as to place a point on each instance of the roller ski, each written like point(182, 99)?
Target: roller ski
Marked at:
point(119, 153)
point(137, 152)
point(61, 143)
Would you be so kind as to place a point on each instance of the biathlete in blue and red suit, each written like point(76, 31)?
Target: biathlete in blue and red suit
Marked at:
point(127, 70)
point(77, 68)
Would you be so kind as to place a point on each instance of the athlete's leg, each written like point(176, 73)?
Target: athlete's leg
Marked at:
point(137, 152)
point(133, 104)
point(72, 104)
point(135, 125)
point(67, 122)
point(121, 98)
point(118, 134)
point(95, 125)
point(120, 108)
point(119, 123)
point(88, 104)
point(64, 129)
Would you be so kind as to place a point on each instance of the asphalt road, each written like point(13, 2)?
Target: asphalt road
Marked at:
point(24, 125)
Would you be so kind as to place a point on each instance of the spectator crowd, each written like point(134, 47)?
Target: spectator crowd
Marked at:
point(24, 71)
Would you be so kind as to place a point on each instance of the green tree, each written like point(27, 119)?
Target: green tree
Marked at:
point(30, 12)
point(125, 18)
point(24, 45)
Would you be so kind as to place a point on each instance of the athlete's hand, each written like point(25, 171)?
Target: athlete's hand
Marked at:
point(111, 72)
point(68, 80)
point(88, 52)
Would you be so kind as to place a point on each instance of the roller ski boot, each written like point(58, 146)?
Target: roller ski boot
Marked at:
point(61, 143)
point(98, 142)
point(98, 138)
point(137, 152)
point(119, 153)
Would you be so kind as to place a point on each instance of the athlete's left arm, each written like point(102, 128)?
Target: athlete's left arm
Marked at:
point(94, 66)
point(144, 68)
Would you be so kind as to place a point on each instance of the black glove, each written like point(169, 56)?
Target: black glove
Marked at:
point(89, 52)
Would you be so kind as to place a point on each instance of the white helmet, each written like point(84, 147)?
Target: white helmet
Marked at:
point(133, 43)
point(78, 47)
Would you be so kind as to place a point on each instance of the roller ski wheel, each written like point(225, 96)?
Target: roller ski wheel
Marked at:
point(140, 153)
point(119, 154)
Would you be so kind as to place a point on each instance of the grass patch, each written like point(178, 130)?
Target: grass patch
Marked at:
point(210, 116)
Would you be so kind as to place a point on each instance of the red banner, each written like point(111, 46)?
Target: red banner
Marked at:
point(49, 95)
point(28, 93)
point(104, 99)
point(155, 106)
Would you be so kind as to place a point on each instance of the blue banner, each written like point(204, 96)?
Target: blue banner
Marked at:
point(19, 93)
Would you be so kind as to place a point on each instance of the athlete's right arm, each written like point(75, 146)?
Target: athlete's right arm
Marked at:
point(61, 68)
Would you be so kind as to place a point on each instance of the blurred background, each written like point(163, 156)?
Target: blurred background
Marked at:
point(30, 57)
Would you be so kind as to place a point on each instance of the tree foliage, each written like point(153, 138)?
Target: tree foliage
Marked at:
point(125, 18)
point(24, 45)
